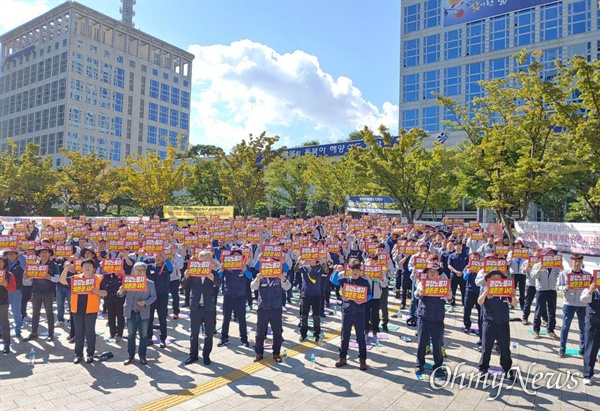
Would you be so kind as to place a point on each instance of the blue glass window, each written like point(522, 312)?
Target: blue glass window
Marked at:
point(165, 76)
point(174, 118)
point(152, 111)
point(431, 118)
point(173, 138)
point(186, 83)
point(118, 126)
point(411, 53)
point(499, 68)
point(449, 116)
point(410, 119)
point(551, 22)
point(164, 115)
point(431, 52)
point(412, 18)
point(579, 17)
point(107, 71)
point(524, 27)
point(431, 83)
point(410, 87)
point(452, 44)
point(185, 99)
point(115, 151)
point(452, 81)
point(519, 67)
point(104, 97)
point(175, 95)
point(119, 102)
point(120, 78)
point(549, 58)
point(153, 88)
point(431, 13)
point(120, 59)
point(499, 33)
point(175, 80)
point(162, 154)
point(164, 92)
point(154, 72)
point(475, 38)
point(163, 134)
point(152, 135)
point(185, 121)
point(92, 72)
point(475, 74)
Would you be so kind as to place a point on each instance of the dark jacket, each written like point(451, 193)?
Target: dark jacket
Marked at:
point(431, 309)
point(235, 282)
point(111, 284)
point(204, 288)
point(495, 309)
point(311, 280)
point(43, 286)
point(161, 276)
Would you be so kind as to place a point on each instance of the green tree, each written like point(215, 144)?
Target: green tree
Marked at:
point(35, 182)
point(287, 180)
point(242, 171)
point(204, 184)
point(152, 181)
point(8, 172)
point(310, 143)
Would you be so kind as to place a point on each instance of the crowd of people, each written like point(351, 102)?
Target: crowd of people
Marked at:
point(127, 270)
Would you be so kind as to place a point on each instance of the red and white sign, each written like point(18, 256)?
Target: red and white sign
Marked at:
point(581, 238)
point(354, 293)
point(435, 287)
point(199, 268)
point(112, 265)
point(36, 271)
point(501, 287)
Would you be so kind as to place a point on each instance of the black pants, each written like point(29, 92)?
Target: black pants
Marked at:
point(529, 297)
point(187, 290)
point(236, 305)
point(324, 295)
point(161, 307)
point(455, 283)
point(545, 306)
point(491, 333)
point(383, 304)
point(592, 345)
point(406, 286)
point(174, 290)
point(199, 317)
point(26, 290)
point(520, 282)
point(306, 303)
point(471, 301)
point(430, 331)
point(85, 327)
point(358, 321)
point(248, 292)
point(37, 300)
point(264, 318)
point(398, 279)
point(372, 316)
point(116, 320)
point(5, 324)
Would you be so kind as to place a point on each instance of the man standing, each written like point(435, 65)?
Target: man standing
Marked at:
point(15, 298)
point(43, 293)
point(178, 262)
point(159, 271)
point(572, 305)
point(457, 262)
point(546, 280)
point(234, 301)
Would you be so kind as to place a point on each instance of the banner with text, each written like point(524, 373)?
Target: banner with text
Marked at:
point(583, 238)
point(223, 212)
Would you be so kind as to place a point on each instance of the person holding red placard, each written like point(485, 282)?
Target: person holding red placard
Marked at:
point(111, 283)
point(310, 296)
point(430, 314)
point(8, 284)
point(591, 296)
point(546, 280)
point(515, 270)
point(496, 327)
point(473, 291)
point(353, 312)
point(85, 309)
point(572, 303)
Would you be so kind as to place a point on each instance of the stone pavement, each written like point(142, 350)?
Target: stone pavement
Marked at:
point(233, 381)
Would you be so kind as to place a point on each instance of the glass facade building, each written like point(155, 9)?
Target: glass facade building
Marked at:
point(78, 79)
point(447, 46)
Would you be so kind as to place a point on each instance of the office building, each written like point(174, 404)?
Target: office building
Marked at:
point(448, 46)
point(78, 79)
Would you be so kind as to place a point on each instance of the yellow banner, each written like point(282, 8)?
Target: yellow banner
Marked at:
point(223, 212)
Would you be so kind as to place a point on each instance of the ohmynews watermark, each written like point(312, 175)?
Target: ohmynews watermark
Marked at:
point(529, 381)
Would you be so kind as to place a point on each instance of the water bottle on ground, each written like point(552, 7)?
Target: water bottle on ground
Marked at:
point(377, 345)
point(313, 361)
point(405, 338)
point(284, 355)
point(32, 356)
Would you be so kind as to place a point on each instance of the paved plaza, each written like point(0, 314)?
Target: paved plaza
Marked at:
point(233, 381)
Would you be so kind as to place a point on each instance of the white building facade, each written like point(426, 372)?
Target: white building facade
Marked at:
point(78, 79)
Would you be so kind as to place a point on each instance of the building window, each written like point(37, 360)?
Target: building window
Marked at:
point(499, 68)
point(551, 22)
point(520, 67)
point(164, 115)
point(186, 83)
point(431, 118)
point(411, 18)
point(431, 52)
point(411, 53)
point(475, 38)
point(154, 72)
point(163, 134)
point(579, 17)
point(582, 49)
point(103, 123)
point(175, 96)
point(118, 102)
point(120, 78)
point(524, 27)
point(107, 71)
point(104, 97)
point(90, 120)
point(175, 80)
point(76, 67)
point(173, 138)
point(164, 92)
point(431, 83)
point(449, 116)
point(174, 118)
point(120, 59)
point(410, 119)
point(185, 99)
point(549, 58)
point(115, 151)
point(431, 12)
point(185, 121)
point(118, 126)
point(153, 111)
point(499, 34)
point(410, 87)
point(475, 74)
point(452, 44)
point(452, 81)
point(153, 88)
point(152, 135)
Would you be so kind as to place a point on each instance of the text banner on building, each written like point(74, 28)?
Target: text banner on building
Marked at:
point(223, 213)
point(371, 204)
point(583, 238)
point(461, 12)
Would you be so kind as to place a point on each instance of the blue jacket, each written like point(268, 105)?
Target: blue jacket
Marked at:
point(495, 309)
point(161, 276)
point(234, 282)
point(458, 262)
point(311, 280)
point(431, 309)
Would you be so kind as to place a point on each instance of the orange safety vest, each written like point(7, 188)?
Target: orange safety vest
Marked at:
point(93, 300)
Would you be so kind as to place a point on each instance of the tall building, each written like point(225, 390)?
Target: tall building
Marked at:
point(447, 46)
point(78, 79)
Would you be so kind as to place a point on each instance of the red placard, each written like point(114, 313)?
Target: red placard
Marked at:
point(501, 249)
point(95, 236)
point(477, 236)
point(111, 235)
point(233, 262)
point(520, 253)
point(116, 245)
point(132, 244)
point(475, 266)
point(132, 235)
point(435, 287)
point(190, 239)
point(597, 277)
point(333, 248)
point(491, 264)
point(269, 251)
point(200, 268)
point(81, 285)
point(31, 259)
point(411, 249)
point(371, 248)
point(152, 245)
point(578, 281)
point(270, 268)
point(375, 272)
point(420, 263)
point(135, 283)
point(356, 293)
point(112, 266)
point(36, 271)
point(552, 261)
point(501, 287)
point(309, 253)
point(61, 250)
point(80, 232)
point(8, 241)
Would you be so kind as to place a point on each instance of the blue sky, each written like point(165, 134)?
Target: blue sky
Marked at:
point(302, 70)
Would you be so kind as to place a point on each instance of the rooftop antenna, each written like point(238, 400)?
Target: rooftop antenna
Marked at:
point(127, 12)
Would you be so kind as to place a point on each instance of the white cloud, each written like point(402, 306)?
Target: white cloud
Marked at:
point(247, 87)
point(16, 12)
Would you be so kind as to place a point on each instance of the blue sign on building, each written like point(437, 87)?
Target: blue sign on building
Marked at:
point(332, 150)
point(465, 11)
